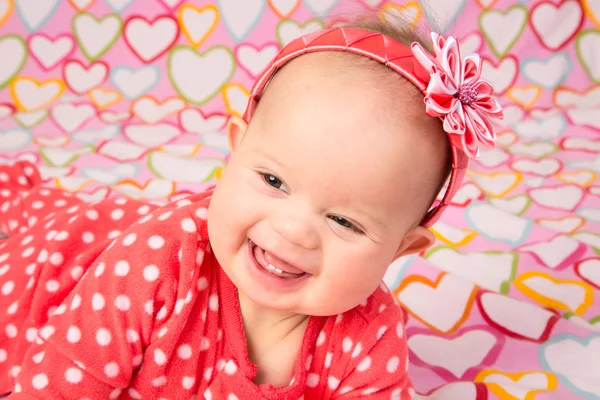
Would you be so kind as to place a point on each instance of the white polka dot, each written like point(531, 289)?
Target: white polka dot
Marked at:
point(4, 177)
point(347, 344)
point(117, 214)
point(4, 269)
point(137, 360)
point(162, 313)
point(111, 369)
point(411, 392)
point(357, 350)
point(400, 330)
point(76, 272)
point(129, 239)
point(213, 302)
point(308, 364)
point(321, 338)
point(333, 382)
point(160, 381)
point(143, 210)
point(232, 396)
point(220, 364)
point(52, 286)
point(57, 259)
point(121, 201)
point(392, 365)
point(159, 357)
point(60, 310)
point(165, 216)
point(61, 236)
point(312, 380)
point(103, 337)
point(132, 336)
point(188, 382)
point(381, 331)
point(156, 242)
point(11, 331)
point(208, 373)
point(76, 302)
point(15, 371)
point(183, 203)
point(92, 215)
point(202, 213)
point(30, 283)
point(339, 318)
point(188, 225)
point(364, 365)
point(47, 331)
point(3, 355)
point(99, 269)
point(382, 308)
point(345, 390)
point(115, 393)
point(207, 394)
point(162, 332)
point(39, 357)
point(184, 351)
point(179, 305)
point(31, 334)
point(40, 381)
point(28, 252)
point(230, 368)
point(8, 287)
point(113, 234)
point(122, 303)
point(121, 268)
point(151, 273)
point(145, 219)
point(73, 375)
point(98, 302)
point(204, 344)
point(13, 308)
point(60, 203)
point(73, 334)
point(43, 256)
point(369, 391)
point(149, 307)
point(396, 394)
point(202, 283)
point(87, 237)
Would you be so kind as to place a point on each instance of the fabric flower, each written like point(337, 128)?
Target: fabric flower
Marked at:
point(458, 96)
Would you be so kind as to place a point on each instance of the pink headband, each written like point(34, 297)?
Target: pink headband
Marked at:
point(451, 85)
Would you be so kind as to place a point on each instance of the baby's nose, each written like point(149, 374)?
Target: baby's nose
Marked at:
point(297, 229)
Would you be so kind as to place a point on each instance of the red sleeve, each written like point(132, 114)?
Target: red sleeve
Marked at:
point(378, 368)
point(96, 339)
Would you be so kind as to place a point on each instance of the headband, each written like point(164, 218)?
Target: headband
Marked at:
point(451, 85)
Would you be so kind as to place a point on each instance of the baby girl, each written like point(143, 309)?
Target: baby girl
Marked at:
point(270, 285)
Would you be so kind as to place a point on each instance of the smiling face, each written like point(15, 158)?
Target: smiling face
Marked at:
point(326, 186)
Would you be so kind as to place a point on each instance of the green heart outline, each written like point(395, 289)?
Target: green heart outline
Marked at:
point(45, 116)
point(301, 26)
point(554, 145)
point(505, 285)
point(70, 160)
point(110, 44)
point(207, 179)
point(517, 37)
point(578, 38)
point(527, 204)
point(23, 62)
point(201, 55)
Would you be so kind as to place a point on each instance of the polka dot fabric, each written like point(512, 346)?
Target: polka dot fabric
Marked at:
point(121, 300)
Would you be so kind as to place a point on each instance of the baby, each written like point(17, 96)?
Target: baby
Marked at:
point(270, 285)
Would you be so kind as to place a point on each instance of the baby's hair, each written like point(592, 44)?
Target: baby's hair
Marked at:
point(402, 30)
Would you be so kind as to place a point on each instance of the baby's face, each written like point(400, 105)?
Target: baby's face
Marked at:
point(322, 192)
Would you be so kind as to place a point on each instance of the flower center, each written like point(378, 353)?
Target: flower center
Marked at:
point(467, 93)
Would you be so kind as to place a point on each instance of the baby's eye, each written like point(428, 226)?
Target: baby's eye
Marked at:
point(345, 223)
point(274, 181)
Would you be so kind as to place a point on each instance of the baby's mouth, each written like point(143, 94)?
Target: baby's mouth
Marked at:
point(279, 269)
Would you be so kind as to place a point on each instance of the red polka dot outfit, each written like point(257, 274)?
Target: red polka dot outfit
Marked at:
point(122, 300)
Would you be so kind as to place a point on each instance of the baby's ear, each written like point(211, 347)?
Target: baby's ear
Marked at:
point(236, 129)
point(416, 240)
